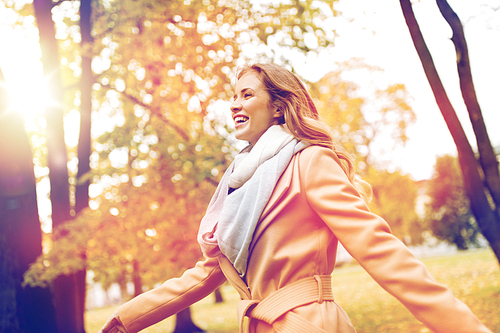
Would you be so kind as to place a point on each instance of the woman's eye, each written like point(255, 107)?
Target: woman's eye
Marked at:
point(248, 95)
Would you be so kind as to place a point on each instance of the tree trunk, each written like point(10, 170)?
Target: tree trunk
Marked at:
point(184, 323)
point(86, 81)
point(488, 219)
point(136, 278)
point(84, 142)
point(21, 309)
point(487, 156)
point(68, 310)
point(218, 296)
point(8, 305)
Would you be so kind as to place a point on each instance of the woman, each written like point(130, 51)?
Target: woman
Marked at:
point(274, 223)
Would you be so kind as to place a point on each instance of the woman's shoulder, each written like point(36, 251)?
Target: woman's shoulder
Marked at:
point(314, 152)
point(314, 157)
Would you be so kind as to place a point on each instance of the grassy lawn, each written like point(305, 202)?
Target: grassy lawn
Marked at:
point(212, 317)
point(474, 277)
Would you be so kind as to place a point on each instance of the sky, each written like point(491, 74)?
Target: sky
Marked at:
point(378, 33)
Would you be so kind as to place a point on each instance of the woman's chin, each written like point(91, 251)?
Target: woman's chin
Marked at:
point(239, 134)
point(241, 138)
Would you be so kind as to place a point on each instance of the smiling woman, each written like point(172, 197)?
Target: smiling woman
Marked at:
point(252, 108)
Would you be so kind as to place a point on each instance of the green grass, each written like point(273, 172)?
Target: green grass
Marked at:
point(212, 317)
point(473, 276)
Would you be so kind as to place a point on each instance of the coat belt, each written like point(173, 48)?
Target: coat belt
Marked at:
point(275, 308)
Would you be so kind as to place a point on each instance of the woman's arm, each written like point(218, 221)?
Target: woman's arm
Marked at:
point(168, 299)
point(368, 238)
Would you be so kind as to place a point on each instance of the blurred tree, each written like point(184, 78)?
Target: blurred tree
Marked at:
point(448, 214)
point(21, 309)
point(84, 150)
point(481, 178)
point(69, 314)
point(394, 198)
point(362, 116)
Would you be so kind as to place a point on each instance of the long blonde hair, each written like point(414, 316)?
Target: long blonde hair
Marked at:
point(301, 117)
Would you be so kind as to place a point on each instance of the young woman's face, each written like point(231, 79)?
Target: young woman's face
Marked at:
point(251, 109)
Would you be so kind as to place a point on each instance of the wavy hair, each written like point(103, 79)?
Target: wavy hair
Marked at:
point(301, 117)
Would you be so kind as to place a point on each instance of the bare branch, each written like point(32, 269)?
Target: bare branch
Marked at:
point(485, 216)
point(55, 4)
point(157, 111)
point(487, 156)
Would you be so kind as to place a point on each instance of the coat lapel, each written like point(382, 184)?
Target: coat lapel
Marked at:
point(284, 190)
point(287, 188)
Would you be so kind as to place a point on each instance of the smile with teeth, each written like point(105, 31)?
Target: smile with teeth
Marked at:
point(240, 120)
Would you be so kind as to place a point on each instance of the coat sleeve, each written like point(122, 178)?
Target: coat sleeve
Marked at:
point(367, 237)
point(168, 299)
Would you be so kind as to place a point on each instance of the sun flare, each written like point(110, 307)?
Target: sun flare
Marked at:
point(21, 66)
point(29, 97)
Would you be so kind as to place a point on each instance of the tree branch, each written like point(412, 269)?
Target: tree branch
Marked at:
point(156, 111)
point(487, 156)
point(212, 181)
point(55, 4)
point(487, 219)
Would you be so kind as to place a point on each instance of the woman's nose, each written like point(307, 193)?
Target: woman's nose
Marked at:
point(235, 106)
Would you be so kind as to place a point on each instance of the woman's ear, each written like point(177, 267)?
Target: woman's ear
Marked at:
point(279, 115)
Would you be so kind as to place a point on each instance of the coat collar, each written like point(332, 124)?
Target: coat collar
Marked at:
point(286, 188)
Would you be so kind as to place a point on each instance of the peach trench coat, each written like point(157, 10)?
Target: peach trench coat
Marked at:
point(312, 208)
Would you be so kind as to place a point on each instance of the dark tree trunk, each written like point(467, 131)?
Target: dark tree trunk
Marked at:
point(8, 284)
point(136, 278)
point(84, 142)
point(21, 309)
point(487, 156)
point(86, 81)
point(68, 309)
point(184, 323)
point(488, 219)
point(218, 296)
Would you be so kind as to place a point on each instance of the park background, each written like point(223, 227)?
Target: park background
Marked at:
point(140, 90)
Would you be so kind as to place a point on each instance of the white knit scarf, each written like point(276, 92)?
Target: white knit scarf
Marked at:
point(230, 220)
